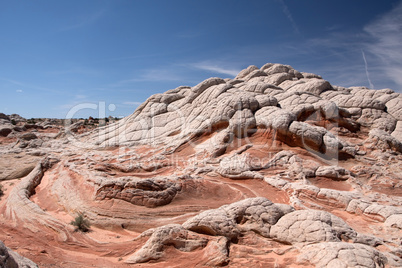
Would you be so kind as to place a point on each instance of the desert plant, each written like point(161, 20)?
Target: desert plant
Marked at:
point(81, 223)
point(13, 122)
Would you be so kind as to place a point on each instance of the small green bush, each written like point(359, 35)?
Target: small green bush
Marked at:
point(81, 223)
point(1, 190)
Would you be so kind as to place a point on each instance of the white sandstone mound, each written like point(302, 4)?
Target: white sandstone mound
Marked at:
point(275, 97)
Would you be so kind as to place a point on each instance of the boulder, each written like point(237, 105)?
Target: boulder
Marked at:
point(333, 172)
point(169, 235)
point(311, 226)
point(28, 136)
point(148, 192)
point(9, 258)
point(4, 131)
point(256, 214)
point(343, 254)
point(4, 116)
point(380, 139)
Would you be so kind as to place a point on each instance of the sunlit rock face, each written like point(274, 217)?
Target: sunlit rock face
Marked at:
point(274, 168)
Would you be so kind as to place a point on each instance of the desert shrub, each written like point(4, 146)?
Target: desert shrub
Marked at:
point(13, 122)
point(1, 190)
point(81, 223)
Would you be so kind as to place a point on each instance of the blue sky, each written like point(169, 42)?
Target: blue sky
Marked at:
point(55, 55)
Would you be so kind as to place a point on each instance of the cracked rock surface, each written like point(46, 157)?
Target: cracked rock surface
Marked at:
point(274, 168)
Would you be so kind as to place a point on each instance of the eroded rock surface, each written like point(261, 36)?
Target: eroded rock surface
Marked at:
point(9, 258)
point(343, 255)
point(148, 192)
point(257, 214)
point(274, 168)
point(311, 226)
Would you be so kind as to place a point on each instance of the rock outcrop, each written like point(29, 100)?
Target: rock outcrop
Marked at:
point(274, 168)
point(148, 192)
point(319, 235)
point(257, 214)
point(9, 258)
point(343, 255)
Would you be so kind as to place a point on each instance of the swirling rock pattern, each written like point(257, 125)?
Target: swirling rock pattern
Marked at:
point(274, 168)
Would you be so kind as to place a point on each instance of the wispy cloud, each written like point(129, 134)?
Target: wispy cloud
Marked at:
point(287, 13)
point(19, 91)
point(385, 45)
point(367, 71)
point(341, 73)
point(84, 21)
point(371, 56)
point(216, 68)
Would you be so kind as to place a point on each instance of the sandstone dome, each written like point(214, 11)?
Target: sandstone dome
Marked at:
point(299, 108)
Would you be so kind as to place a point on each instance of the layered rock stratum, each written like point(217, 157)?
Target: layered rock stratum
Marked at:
point(274, 168)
